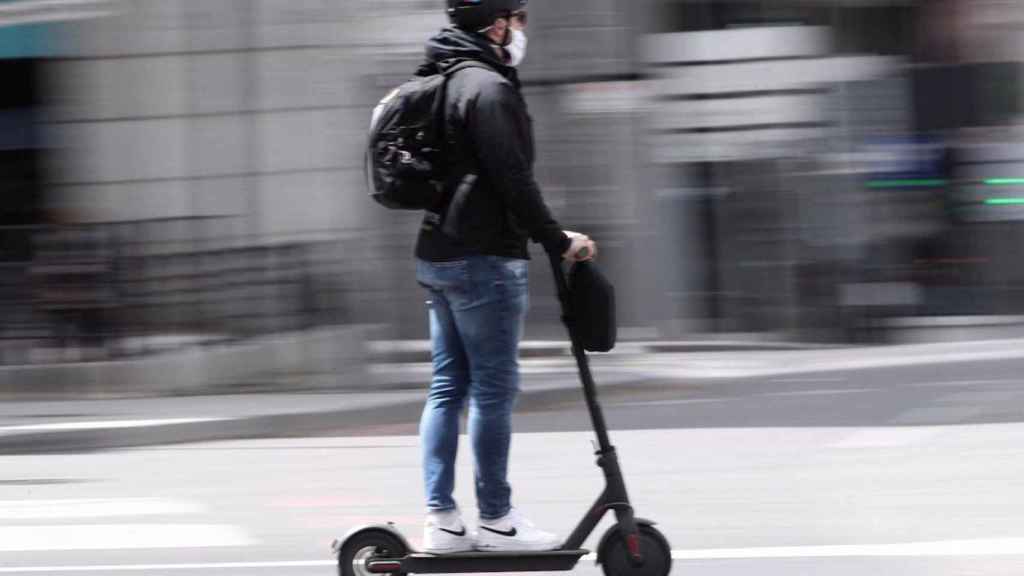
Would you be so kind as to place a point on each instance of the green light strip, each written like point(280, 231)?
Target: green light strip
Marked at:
point(929, 183)
point(1005, 202)
point(905, 183)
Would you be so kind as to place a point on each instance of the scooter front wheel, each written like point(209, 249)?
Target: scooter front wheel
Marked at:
point(654, 548)
point(358, 550)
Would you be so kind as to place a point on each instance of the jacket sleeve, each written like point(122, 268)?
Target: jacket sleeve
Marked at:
point(500, 129)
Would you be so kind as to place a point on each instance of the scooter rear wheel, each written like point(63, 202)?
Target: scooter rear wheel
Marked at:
point(360, 549)
point(654, 547)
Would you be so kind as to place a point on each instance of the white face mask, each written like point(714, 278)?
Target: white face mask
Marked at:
point(516, 48)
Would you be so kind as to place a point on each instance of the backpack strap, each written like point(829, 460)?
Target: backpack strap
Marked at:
point(455, 198)
point(449, 68)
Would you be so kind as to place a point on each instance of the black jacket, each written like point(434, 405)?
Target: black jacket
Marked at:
point(490, 135)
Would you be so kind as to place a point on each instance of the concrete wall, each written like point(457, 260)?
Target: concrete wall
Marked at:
point(324, 359)
point(175, 108)
point(256, 109)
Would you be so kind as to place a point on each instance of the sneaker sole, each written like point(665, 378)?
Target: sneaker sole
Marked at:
point(514, 548)
point(449, 551)
point(453, 550)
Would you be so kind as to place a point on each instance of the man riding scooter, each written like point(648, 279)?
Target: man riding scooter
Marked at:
point(477, 277)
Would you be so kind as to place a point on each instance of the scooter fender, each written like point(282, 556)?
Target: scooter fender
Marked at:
point(611, 532)
point(388, 527)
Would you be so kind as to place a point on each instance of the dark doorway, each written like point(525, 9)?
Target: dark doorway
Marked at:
point(20, 178)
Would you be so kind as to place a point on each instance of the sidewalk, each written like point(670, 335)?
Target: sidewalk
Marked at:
point(348, 358)
point(397, 393)
point(342, 358)
point(256, 364)
point(403, 351)
point(715, 361)
point(76, 426)
point(763, 364)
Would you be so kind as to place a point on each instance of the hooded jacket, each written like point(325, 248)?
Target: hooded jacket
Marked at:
point(494, 204)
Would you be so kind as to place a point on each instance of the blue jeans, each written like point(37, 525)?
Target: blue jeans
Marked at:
point(477, 311)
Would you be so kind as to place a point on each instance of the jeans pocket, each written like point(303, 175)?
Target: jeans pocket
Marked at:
point(450, 275)
point(511, 272)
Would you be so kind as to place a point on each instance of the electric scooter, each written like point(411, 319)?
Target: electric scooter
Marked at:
point(632, 547)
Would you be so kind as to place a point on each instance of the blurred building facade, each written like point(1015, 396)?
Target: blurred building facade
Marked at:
point(790, 168)
point(237, 125)
point(828, 153)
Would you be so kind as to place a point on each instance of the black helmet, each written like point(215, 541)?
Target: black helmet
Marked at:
point(476, 15)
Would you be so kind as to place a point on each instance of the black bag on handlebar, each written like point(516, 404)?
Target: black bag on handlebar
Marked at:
point(592, 307)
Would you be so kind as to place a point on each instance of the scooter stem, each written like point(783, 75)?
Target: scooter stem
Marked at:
point(589, 388)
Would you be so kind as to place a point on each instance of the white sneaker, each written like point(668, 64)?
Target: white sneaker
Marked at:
point(512, 533)
point(446, 533)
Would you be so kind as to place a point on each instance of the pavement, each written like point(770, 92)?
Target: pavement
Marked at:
point(822, 500)
point(394, 394)
point(889, 460)
point(715, 360)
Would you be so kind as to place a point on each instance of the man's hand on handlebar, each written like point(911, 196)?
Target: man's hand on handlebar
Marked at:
point(582, 247)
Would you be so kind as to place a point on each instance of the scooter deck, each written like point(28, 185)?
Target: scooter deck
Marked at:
point(554, 560)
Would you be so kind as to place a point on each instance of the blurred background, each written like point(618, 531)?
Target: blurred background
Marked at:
point(182, 175)
point(213, 350)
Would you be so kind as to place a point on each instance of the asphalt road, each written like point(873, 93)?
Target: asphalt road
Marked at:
point(918, 395)
point(910, 471)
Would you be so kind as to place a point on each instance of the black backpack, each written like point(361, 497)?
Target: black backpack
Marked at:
point(405, 154)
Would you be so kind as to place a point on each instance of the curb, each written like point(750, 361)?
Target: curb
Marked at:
point(336, 353)
point(418, 351)
point(355, 421)
point(364, 418)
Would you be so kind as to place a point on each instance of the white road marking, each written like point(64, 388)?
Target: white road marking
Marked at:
point(978, 547)
point(955, 383)
point(807, 380)
point(149, 567)
point(102, 425)
point(119, 537)
point(821, 392)
point(94, 508)
point(670, 402)
point(783, 364)
point(887, 437)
